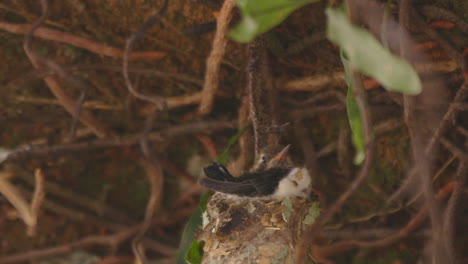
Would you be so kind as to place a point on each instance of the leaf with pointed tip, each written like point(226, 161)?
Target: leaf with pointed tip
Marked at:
point(368, 56)
point(354, 115)
point(259, 16)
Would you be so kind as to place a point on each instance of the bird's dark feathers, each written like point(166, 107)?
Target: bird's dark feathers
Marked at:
point(218, 172)
point(250, 184)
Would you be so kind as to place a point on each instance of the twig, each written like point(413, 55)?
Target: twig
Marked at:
point(448, 117)
point(189, 196)
point(310, 233)
point(462, 131)
point(304, 43)
point(90, 45)
point(86, 202)
point(446, 45)
point(159, 102)
point(110, 240)
point(156, 179)
point(75, 215)
point(213, 62)
point(315, 110)
point(12, 194)
point(435, 12)
point(454, 206)
point(459, 153)
point(322, 96)
point(319, 81)
point(322, 252)
point(209, 145)
point(88, 104)
point(37, 198)
point(246, 148)
point(168, 133)
point(407, 204)
point(313, 83)
point(173, 102)
point(440, 253)
point(53, 84)
point(161, 74)
point(308, 150)
point(170, 167)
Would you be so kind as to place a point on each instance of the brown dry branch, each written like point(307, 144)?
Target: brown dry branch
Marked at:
point(129, 43)
point(97, 105)
point(246, 149)
point(454, 209)
point(316, 110)
point(308, 150)
point(443, 125)
point(213, 62)
point(110, 240)
point(98, 207)
point(319, 81)
point(444, 43)
point(93, 46)
point(70, 106)
point(172, 102)
point(313, 83)
point(462, 131)
point(14, 196)
point(325, 96)
point(74, 214)
point(448, 117)
point(407, 204)
point(37, 198)
point(28, 212)
point(321, 253)
point(156, 179)
point(209, 145)
point(153, 169)
point(170, 167)
point(359, 94)
point(435, 12)
point(310, 233)
point(344, 153)
point(202, 126)
point(190, 196)
point(304, 43)
point(461, 154)
point(440, 251)
point(159, 73)
point(79, 216)
point(67, 102)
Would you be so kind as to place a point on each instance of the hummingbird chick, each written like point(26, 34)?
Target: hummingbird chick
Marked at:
point(272, 177)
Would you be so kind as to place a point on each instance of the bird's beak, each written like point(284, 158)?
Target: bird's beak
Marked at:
point(282, 154)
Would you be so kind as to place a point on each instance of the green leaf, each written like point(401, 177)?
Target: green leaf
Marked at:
point(223, 158)
point(204, 200)
point(354, 115)
point(188, 236)
point(259, 16)
point(355, 122)
point(368, 56)
point(195, 252)
point(188, 240)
